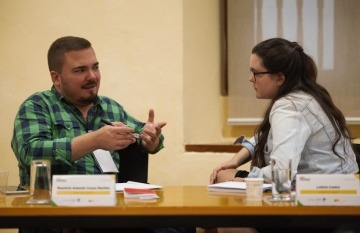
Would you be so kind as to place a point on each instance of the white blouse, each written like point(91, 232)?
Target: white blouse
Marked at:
point(301, 131)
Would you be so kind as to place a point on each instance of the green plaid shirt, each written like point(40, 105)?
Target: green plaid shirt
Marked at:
point(46, 123)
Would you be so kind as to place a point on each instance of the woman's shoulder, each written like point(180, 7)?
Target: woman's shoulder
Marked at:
point(297, 98)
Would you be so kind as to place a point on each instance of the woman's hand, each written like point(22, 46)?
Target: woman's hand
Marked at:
point(228, 169)
point(231, 164)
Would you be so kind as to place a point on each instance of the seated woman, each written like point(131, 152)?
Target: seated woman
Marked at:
point(301, 121)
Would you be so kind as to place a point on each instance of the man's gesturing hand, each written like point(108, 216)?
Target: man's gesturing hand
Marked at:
point(151, 132)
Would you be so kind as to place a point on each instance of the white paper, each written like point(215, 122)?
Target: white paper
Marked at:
point(131, 184)
point(105, 161)
point(84, 190)
point(232, 186)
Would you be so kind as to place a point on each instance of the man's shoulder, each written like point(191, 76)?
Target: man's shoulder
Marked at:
point(40, 96)
point(104, 100)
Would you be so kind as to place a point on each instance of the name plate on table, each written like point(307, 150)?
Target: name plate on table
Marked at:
point(84, 190)
point(327, 190)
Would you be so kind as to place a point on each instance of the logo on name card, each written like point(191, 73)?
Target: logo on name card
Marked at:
point(303, 178)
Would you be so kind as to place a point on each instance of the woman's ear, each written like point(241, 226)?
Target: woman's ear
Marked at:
point(281, 79)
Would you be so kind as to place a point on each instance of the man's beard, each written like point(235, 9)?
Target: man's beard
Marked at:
point(80, 101)
point(89, 100)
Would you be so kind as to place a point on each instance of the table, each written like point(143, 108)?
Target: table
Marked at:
point(179, 206)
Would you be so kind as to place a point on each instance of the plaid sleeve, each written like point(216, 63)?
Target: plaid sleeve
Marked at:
point(32, 136)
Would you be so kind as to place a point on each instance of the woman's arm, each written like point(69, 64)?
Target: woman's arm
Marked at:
point(226, 171)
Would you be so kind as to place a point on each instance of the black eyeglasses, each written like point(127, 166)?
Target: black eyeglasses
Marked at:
point(254, 74)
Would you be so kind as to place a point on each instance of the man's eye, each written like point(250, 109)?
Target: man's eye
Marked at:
point(79, 70)
point(95, 67)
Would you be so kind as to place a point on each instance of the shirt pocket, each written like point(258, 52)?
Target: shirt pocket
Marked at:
point(66, 128)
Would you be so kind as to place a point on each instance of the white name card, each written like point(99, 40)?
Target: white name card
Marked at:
point(327, 190)
point(84, 190)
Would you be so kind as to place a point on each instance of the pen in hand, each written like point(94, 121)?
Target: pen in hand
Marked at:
point(135, 135)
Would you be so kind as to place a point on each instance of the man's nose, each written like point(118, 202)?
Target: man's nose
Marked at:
point(91, 74)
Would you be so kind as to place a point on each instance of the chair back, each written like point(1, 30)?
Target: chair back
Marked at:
point(356, 147)
point(133, 164)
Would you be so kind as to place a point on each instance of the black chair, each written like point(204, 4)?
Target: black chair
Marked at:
point(356, 147)
point(133, 164)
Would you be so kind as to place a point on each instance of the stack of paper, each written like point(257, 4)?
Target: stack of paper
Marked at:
point(232, 187)
point(132, 184)
point(139, 193)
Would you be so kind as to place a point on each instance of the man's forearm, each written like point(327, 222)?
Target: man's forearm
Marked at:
point(83, 145)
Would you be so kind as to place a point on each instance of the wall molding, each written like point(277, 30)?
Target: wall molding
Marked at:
point(257, 120)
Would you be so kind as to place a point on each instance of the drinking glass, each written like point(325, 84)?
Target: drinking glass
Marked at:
point(281, 179)
point(3, 182)
point(40, 182)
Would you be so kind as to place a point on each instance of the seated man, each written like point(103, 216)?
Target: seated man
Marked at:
point(65, 124)
point(70, 121)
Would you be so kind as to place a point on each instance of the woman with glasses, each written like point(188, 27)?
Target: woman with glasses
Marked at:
point(301, 121)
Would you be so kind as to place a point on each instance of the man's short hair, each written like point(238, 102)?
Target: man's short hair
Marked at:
point(57, 50)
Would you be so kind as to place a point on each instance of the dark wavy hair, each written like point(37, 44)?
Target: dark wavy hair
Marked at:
point(57, 50)
point(282, 56)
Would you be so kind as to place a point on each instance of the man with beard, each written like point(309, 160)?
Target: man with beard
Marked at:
point(66, 124)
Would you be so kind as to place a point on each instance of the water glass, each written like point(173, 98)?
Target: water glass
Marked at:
point(40, 182)
point(3, 181)
point(281, 179)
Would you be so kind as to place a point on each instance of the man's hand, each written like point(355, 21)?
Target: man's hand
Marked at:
point(151, 132)
point(115, 137)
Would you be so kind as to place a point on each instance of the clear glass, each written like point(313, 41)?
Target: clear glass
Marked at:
point(281, 179)
point(40, 182)
point(3, 181)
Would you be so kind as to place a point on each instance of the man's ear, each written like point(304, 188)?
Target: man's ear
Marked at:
point(281, 79)
point(55, 77)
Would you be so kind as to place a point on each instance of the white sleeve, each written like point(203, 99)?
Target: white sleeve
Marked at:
point(290, 132)
point(250, 145)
